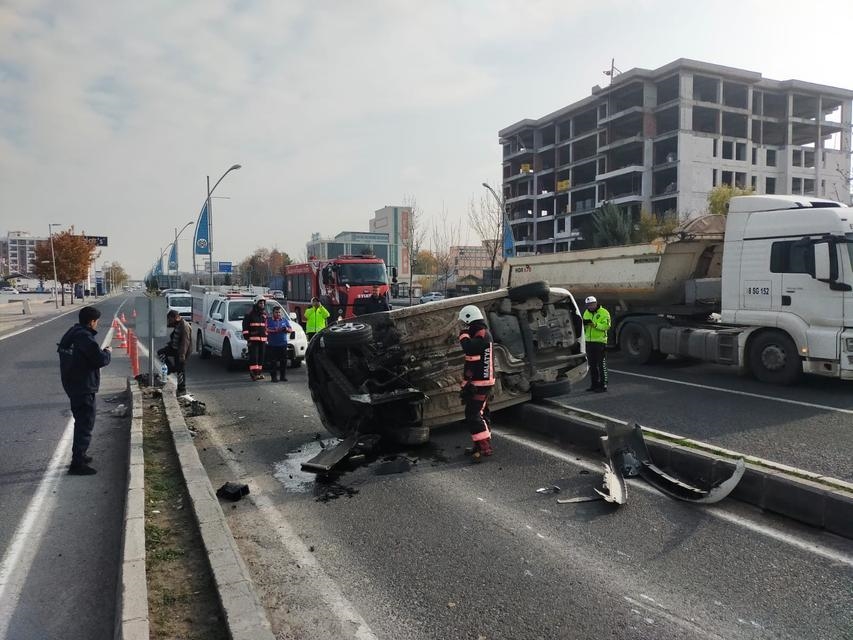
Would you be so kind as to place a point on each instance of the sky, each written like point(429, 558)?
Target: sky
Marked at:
point(112, 114)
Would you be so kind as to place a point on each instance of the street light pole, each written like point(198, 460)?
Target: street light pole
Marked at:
point(504, 226)
point(177, 235)
point(50, 227)
point(210, 216)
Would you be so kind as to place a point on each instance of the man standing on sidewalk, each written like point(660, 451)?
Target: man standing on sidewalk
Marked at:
point(80, 363)
point(180, 345)
point(596, 324)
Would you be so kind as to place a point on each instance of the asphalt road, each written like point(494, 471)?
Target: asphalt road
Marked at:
point(449, 549)
point(808, 425)
point(59, 535)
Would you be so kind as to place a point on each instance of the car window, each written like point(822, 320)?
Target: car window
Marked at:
point(238, 310)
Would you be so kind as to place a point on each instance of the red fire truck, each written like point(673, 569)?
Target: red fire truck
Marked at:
point(342, 284)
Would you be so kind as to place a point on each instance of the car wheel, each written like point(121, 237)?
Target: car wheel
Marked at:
point(295, 363)
point(228, 357)
point(530, 290)
point(636, 343)
point(347, 334)
point(773, 358)
point(202, 351)
point(559, 387)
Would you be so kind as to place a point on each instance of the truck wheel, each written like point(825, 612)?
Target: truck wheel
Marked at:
point(228, 357)
point(550, 389)
point(773, 358)
point(530, 290)
point(295, 363)
point(202, 351)
point(636, 343)
point(347, 334)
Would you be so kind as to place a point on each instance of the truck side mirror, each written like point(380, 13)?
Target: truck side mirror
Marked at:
point(825, 269)
point(326, 274)
point(393, 274)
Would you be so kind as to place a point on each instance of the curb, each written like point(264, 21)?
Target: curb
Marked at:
point(772, 490)
point(132, 597)
point(244, 614)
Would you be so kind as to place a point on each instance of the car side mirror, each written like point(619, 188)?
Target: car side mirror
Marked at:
point(292, 315)
point(216, 316)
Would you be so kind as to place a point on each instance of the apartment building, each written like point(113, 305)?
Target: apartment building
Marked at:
point(659, 140)
point(394, 220)
point(349, 243)
point(19, 252)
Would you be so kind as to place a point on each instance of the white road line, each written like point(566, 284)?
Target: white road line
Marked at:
point(25, 542)
point(325, 586)
point(35, 326)
point(735, 392)
point(789, 539)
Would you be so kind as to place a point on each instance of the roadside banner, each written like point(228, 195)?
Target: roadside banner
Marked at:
point(173, 257)
point(201, 246)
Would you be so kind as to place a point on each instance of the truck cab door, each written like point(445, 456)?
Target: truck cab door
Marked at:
point(806, 295)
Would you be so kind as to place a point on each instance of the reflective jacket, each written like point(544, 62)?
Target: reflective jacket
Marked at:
point(315, 319)
point(596, 325)
point(476, 343)
point(277, 331)
point(80, 361)
point(255, 325)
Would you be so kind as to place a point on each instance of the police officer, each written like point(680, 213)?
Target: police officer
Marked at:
point(596, 324)
point(315, 318)
point(255, 334)
point(479, 377)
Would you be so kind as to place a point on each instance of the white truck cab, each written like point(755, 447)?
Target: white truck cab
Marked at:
point(218, 326)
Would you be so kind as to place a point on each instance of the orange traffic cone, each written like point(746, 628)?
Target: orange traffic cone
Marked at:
point(123, 343)
point(118, 334)
point(115, 324)
point(123, 319)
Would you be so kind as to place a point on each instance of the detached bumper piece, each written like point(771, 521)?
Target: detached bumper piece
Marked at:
point(628, 457)
point(354, 447)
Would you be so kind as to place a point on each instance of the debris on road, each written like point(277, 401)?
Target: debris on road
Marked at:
point(551, 489)
point(614, 486)
point(120, 411)
point(233, 491)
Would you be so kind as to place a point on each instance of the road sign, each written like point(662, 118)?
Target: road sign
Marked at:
point(225, 267)
point(100, 241)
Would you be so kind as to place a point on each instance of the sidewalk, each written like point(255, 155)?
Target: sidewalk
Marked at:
point(42, 309)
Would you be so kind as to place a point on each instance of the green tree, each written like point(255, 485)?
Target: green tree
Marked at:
point(73, 255)
point(718, 198)
point(611, 226)
point(425, 263)
point(651, 227)
point(264, 264)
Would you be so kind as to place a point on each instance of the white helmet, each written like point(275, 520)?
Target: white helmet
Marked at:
point(590, 300)
point(469, 313)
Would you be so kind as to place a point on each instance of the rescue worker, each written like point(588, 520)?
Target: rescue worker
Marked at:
point(376, 302)
point(180, 346)
point(255, 334)
point(315, 318)
point(278, 328)
point(596, 324)
point(479, 377)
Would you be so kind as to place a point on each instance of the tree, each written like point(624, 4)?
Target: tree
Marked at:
point(486, 217)
point(445, 234)
point(73, 255)
point(611, 226)
point(415, 232)
point(651, 227)
point(115, 275)
point(425, 263)
point(718, 198)
point(263, 265)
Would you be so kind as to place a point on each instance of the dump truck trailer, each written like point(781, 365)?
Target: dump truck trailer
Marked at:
point(766, 288)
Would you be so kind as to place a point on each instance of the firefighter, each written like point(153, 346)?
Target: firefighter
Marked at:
point(596, 324)
point(479, 377)
point(255, 334)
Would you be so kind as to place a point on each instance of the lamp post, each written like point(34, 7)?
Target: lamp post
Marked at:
point(210, 191)
point(50, 227)
point(504, 226)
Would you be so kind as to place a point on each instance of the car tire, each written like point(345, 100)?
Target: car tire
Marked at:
point(524, 292)
point(228, 357)
point(295, 363)
point(635, 342)
point(551, 389)
point(773, 358)
point(347, 334)
point(202, 351)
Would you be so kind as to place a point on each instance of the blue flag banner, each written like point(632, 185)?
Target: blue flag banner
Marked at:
point(158, 267)
point(509, 241)
point(173, 257)
point(201, 246)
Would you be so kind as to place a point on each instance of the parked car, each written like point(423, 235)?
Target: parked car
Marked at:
point(433, 296)
point(9, 291)
point(397, 373)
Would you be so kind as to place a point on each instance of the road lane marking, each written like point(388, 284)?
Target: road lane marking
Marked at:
point(25, 541)
point(735, 392)
point(789, 539)
point(305, 558)
point(44, 322)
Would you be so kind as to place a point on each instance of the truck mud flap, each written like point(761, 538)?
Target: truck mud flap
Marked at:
point(324, 461)
point(627, 451)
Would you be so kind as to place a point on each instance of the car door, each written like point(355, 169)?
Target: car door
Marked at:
point(212, 333)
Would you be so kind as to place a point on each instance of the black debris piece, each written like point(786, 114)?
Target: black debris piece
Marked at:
point(233, 491)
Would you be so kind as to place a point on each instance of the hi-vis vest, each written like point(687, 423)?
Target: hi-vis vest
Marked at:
point(479, 367)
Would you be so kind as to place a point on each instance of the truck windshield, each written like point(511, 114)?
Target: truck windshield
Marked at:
point(360, 274)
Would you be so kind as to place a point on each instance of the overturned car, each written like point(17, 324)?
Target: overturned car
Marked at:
point(397, 373)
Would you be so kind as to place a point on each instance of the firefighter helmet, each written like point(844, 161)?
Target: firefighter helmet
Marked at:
point(469, 313)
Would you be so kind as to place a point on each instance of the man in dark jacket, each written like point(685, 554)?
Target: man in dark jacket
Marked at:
point(255, 335)
point(180, 345)
point(80, 362)
point(376, 303)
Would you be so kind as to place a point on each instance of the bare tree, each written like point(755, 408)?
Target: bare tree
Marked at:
point(487, 219)
point(445, 234)
point(416, 231)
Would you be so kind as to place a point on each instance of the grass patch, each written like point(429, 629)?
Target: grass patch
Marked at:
point(182, 599)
